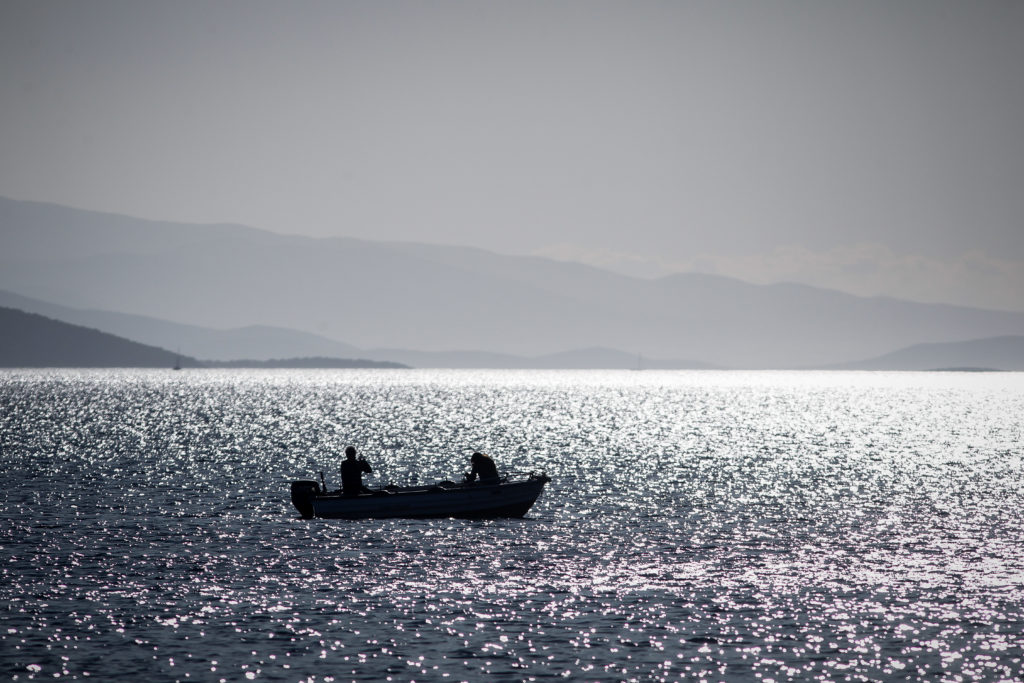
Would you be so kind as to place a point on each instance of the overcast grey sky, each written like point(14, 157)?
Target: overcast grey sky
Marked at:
point(875, 147)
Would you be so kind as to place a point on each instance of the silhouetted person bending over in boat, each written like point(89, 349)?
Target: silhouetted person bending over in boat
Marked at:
point(352, 473)
point(484, 468)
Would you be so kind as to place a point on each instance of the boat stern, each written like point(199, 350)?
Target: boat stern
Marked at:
point(303, 492)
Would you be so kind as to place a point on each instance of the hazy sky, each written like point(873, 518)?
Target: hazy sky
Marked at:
point(875, 147)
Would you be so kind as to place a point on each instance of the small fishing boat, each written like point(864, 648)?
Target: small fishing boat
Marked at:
point(507, 497)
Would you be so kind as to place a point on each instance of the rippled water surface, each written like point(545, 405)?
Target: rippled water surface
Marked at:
point(719, 526)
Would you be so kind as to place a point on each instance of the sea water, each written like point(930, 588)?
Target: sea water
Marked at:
point(734, 526)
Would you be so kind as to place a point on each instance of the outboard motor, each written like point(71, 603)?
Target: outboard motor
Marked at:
point(302, 497)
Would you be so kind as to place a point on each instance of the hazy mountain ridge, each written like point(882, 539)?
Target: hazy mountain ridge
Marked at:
point(433, 299)
point(254, 342)
point(33, 341)
point(36, 231)
point(996, 353)
point(30, 340)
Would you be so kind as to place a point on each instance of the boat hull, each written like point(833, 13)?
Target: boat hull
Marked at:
point(470, 501)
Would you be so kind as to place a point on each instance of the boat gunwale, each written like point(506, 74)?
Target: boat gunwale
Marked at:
point(440, 488)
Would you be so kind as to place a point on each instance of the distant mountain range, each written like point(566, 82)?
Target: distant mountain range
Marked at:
point(258, 346)
point(31, 340)
point(228, 292)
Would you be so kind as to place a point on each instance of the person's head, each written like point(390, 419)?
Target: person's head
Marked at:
point(476, 457)
point(350, 452)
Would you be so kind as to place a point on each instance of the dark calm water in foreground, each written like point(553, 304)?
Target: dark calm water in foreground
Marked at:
point(721, 526)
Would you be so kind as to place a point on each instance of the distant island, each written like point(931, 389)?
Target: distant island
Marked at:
point(305, 363)
point(34, 341)
point(990, 354)
point(966, 370)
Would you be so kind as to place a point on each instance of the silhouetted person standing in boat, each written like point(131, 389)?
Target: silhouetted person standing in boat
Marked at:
point(484, 468)
point(352, 473)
